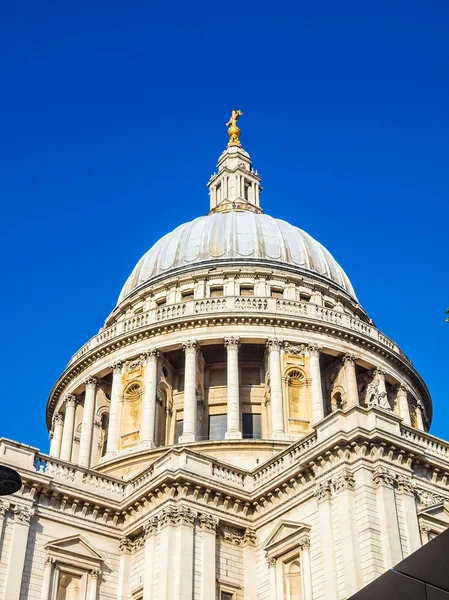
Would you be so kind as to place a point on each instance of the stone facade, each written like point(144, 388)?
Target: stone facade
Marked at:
point(240, 431)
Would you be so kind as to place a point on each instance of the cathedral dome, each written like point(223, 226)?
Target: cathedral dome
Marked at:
point(232, 238)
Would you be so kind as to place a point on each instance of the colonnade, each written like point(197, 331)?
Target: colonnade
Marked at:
point(63, 425)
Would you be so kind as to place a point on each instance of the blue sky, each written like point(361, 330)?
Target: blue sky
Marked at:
point(112, 119)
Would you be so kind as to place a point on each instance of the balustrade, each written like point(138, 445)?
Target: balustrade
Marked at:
point(209, 306)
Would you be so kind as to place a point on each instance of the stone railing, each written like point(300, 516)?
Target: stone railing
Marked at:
point(79, 476)
point(209, 306)
point(430, 445)
point(283, 460)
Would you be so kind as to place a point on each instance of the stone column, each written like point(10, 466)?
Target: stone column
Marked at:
point(402, 401)
point(419, 416)
point(149, 399)
point(352, 392)
point(69, 426)
point(126, 547)
point(92, 584)
point(88, 422)
point(407, 495)
point(305, 568)
point(208, 527)
point(249, 565)
point(114, 415)
point(315, 374)
point(343, 488)
point(323, 494)
point(424, 530)
point(277, 405)
point(189, 424)
point(16, 563)
point(233, 420)
point(4, 507)
point(58, 426)
point(150, 529)
point(48, 573)
point(389, 527)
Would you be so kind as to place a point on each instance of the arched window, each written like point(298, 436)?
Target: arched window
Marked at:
point(337, 401)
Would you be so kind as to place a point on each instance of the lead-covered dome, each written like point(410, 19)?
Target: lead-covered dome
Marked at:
point(232, 238)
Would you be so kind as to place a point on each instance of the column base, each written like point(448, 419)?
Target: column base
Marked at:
point(233, 435)
point(108, 456)
point(280, 435)
point(186, 438)
point(147, 444)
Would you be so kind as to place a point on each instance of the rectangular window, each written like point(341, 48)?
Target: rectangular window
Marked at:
point(304, 297)
point(251, 426)
point(216, 291)
point(246, 191)
point(246, 290)
point(226, 596)
point(161, 301)
point(217, 427)
point(277, 292)
point(187, 295)
point(329, 304)
point(178, 431)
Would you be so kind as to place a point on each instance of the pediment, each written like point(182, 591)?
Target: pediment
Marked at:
point(74, 548)
point(284, 533)
point(437, 511)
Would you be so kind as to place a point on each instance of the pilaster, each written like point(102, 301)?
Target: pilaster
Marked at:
point(323, 494)
point(383, 481)
point(343, 486)
point(406, 492)
point(16, 562)
point(208, 528)
point(150, 530)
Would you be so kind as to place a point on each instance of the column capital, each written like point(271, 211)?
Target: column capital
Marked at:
point(323, 491)
point(406, 485)
point(91, 383)
point(117, 367)
point(95, 573)
point(49, 560)
point(189, 346)
point(97, 421)
point(58, 419)
point(349, 359)
point(304, 543)
point(249, 537)
point(344, 481)
point(126, 545)
point(274, 344)
point(402, 389)
point(232, 343)
point(208, 522)
point(378, 373)
point(70, 401)
point(271, 562)
point(314, 349)
point(384, 477)
point(4, 507)
point(22, 514)
point(151, 355)
point(150, 527)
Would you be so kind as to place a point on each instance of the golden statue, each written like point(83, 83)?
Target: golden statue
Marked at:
point(233, 130)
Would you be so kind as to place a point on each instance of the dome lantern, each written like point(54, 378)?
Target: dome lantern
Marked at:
point(236, 186)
